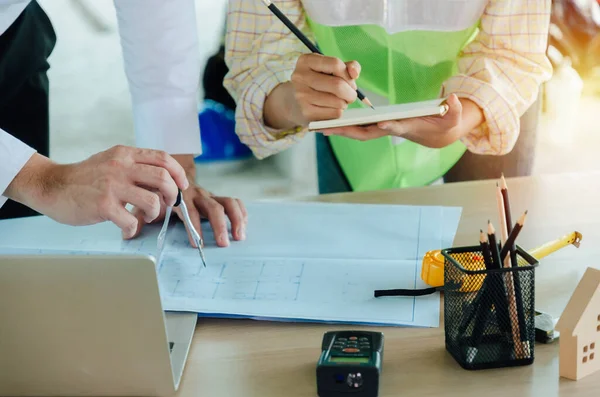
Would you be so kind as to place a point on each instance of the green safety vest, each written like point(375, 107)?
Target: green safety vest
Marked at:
point(404, 67)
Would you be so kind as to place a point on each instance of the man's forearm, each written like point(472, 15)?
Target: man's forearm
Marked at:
point(32, 185)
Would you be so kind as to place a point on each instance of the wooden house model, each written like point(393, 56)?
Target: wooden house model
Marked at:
point(579, 327)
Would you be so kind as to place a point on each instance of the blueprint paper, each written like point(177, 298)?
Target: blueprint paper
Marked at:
point(344, 230)
point(42, 233)
point(274, 229)
point(300, 261)
point(332, 290)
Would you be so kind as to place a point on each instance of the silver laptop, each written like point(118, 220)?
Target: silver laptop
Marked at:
point(88, 325)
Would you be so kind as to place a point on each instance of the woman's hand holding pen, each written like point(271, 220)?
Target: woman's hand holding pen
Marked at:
point(321, 88)
point(324, 86)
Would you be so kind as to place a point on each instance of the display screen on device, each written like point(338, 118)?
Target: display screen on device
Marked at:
point(349, 359)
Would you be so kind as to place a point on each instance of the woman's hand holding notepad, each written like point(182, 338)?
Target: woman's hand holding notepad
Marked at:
point(435, 123)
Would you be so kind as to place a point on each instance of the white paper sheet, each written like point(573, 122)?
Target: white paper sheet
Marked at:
point(300, 262)
point(330, 290)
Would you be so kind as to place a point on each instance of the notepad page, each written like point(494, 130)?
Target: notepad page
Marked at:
point(364, 116)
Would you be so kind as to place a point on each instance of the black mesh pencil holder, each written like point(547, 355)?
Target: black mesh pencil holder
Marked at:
point(489, 315)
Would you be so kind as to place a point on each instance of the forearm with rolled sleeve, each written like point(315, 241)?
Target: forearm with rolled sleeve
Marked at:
point(261, 53)
point(502, 71)
point(159, 39)
point(14, 154)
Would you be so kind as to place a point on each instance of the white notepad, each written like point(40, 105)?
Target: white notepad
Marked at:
point(366, 116)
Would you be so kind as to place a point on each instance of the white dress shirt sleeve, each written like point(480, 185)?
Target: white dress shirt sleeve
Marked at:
point(159, 39)
point(13, 156)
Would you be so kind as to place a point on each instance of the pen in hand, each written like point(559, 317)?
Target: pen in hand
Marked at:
point(307, 42)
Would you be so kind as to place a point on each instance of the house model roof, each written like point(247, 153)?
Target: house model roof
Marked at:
point(579, 302)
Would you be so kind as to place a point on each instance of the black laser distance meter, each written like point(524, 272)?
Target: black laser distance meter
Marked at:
point(350, 364)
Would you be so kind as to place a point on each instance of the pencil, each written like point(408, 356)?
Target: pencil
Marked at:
point(510, 242)
point(508, 216)
point(479, 308)
point(503, 191)
point(307, 42)
point(512, 303)
point(485, 250)
point(476, 302)
point(493, 245)
point(498, 291)
point(502, 306)
point(501, 215)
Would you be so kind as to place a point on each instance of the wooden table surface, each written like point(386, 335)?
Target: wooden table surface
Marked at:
point(263, 359)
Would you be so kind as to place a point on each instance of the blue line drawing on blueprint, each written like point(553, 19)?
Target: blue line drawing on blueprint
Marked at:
point(243, 279)
point(284, 280)
point(299, 288)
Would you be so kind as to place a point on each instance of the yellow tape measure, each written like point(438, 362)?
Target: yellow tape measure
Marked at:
point(432, 271)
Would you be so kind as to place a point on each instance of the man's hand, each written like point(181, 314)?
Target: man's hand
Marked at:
point(202, 204)
point(99, 188)
point(432, 131)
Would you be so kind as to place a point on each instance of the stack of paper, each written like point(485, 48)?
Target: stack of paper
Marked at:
point(300, 261)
